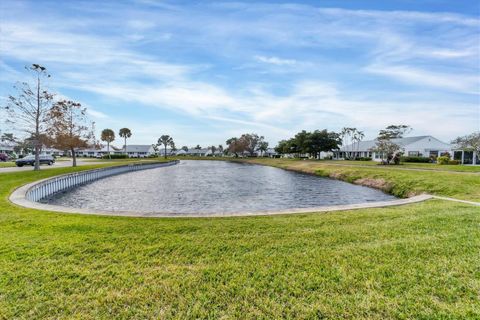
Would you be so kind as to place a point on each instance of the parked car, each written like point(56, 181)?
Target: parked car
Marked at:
point(30, 160)
point(3, 157)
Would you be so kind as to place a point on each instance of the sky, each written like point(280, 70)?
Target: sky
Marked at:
point(205, 71)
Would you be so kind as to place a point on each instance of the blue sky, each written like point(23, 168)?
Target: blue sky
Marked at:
point(204, 71)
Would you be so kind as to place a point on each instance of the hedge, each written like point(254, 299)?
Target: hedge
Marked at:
point(415, 159)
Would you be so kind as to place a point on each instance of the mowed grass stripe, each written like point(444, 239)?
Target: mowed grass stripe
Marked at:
point(415, 261)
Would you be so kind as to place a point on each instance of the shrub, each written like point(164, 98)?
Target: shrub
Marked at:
point(415, 159)
point(115, 156)
point(443, 160)
point(363, 159)
point(454, 162)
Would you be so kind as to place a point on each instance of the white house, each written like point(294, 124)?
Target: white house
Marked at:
point(5, 148)
point(217, 153)
point(52, 152)
point(467, 157)
point(94, 153)
point(10, 149)
point(139, 150)
point(197, 152)
point(421, 146)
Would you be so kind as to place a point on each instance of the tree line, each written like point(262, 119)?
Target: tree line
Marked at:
point(46, 121)
point(312, 143)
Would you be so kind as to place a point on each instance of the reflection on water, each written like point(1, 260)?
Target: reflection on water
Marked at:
point(200, 187)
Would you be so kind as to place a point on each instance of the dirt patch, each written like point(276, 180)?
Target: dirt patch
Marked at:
point(337, 175)
point(413, 194)
point(380, 184)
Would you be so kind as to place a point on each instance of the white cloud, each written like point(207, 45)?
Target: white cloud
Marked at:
point(276, 61)
point(96, 114)
point(316, 91)
point(459, 83)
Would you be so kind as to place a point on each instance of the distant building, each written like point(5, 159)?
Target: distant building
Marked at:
point(421, 146)
point(197, 152)
point(139, 150)
point(93, 152)
point(466, 157)
point(6, 148)
point(52, 152)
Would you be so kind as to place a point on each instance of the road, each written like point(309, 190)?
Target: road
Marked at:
point(58, 164)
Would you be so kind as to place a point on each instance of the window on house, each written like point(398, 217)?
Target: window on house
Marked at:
point(468, 157)
point(457, 155)
point(413, 153)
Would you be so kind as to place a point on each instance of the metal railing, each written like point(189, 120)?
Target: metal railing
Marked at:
point(58, 184)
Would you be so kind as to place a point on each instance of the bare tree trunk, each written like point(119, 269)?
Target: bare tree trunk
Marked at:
point(74, 157)
point(37, 128)
point(108, 150)
point(165, 152)
point(125, 145)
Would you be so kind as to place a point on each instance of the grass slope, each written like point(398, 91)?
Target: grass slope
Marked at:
point(395, 180)
point(7, 164)
point(416, 261)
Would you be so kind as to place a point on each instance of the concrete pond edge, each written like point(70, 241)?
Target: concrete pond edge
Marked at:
point(18, 197)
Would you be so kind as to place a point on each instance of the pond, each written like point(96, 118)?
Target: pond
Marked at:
point(220, 187)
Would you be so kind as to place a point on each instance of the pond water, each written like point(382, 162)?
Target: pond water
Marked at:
point(203, 187)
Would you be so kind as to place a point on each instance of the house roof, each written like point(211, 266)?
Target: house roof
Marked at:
point(6, 147)
point(370, 144)
point(137, 148)
point(197, 151)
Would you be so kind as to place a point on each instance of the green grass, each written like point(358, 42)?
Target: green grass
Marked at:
point(409, 165)
point(7, 164)
point(417, 261)
point(402, 183)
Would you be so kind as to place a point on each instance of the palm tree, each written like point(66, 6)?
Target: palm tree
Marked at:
point(172, 145)
point(213, 148)
point(155, 148)
point(263, 147)
point(125, 133)
point(359, 135)
point(220, 149)
point(108, 136)
point(185, 148)
point(166, 140)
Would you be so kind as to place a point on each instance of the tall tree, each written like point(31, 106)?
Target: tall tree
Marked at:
point(469, 142)
point(322, 141)
point(263, 147)
point(155, 148)
point(108, 136)
point(125, 133)
point(94, 143)
point(220, 148)
point(236, 146)
point(166, 140)
point(29, 110)
point(213, 149)
point(173, 146)
point(389, 149)
point(357, 138)
point(394, 131)
point(69, 128)
point(251, 142)
point(8, 138)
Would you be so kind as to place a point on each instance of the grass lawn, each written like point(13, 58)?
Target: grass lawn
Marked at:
point(409, 165)
point(7, 164)
point(393, 179)
point(415, 261)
